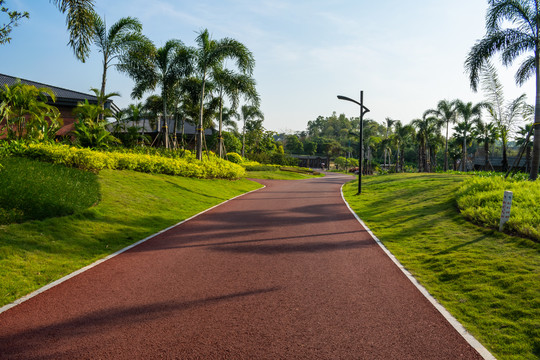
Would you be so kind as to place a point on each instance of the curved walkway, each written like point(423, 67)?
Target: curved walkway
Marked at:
point(286, 272)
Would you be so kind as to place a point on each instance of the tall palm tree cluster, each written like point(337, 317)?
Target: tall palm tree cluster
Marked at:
point(193, 83)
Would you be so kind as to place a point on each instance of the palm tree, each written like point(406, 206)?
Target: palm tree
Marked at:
point(524, 38)
point(523, 140)
point(232, 85)
point(80, 24)
point(209, 55)
point(125, 33)
point(248, 113)
point(149, 67)
point(424, 128)
point(486, 133)
point(388, 122)
point(469, 114)
point(402, 134)
point(445, 112)
point(505, 115)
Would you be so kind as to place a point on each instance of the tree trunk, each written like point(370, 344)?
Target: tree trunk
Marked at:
point(244, 138)
point(504, 155)
point(165, 128)
point(446, 149)
point(464, 153)
point(535, 163)
point(486, 155)
point(200, 133)
point(220, 136)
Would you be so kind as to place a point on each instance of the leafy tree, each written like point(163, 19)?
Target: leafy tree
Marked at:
point(209, 56)
point(425, 127)
point(402, 135)
point(80, 23)
point(122, 35)
point(249, 113)
point(446, 113)
point(232, 85)
point(523, 140)
point(151, 67)
point(14, 18)
point(487, 134)
point(293, 145)
point(512, 42)
point(25, 112)
point(90, 130)
point(469, 114)
point(504, 114)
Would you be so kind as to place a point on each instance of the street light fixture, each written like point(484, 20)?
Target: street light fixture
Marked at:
point(363, 110)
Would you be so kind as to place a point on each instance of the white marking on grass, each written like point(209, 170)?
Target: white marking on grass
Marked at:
point(80, 271)
point(452, 320)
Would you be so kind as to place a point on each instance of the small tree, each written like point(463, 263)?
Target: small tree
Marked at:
point(25, 112)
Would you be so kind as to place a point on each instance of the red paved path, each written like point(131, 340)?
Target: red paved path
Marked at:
point(282, 273)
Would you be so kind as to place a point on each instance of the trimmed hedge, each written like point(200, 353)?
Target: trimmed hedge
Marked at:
point(209, 168)
point(480, 200)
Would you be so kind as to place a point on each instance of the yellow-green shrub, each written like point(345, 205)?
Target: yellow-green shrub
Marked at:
point(480, 200)
point(210, 167)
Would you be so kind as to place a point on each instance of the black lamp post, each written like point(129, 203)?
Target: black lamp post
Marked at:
point(363, 110)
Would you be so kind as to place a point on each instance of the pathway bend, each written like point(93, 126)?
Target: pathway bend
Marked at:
point(285, 272)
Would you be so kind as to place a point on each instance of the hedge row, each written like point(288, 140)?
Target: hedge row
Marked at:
point(480, 200)
point(209, 168)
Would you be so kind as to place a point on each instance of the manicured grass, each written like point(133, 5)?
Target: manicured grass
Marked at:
point(31, 190)
point(489, 281)
point(133, 206)
point(278, 175)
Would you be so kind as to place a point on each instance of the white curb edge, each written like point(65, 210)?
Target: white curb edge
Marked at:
point(452, 320)
point(80, 271)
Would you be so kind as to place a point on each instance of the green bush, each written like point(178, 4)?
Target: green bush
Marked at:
point(210, 167)
point(480, 200)
point(31, 190)
point(235, 158)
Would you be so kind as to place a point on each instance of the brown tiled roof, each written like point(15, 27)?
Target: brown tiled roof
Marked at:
point(63, 96)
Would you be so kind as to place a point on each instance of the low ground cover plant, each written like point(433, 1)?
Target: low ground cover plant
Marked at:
point(480, 200)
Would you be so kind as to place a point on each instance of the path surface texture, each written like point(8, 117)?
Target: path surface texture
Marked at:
point(285, 272)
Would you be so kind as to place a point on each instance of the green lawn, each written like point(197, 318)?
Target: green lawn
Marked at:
point(489, 281)
point(133, 206)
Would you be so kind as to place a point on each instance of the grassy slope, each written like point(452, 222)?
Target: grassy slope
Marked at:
point(489, 281)
point(133, 205)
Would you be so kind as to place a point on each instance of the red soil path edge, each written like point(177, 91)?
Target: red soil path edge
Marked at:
point(96, 263)
point(452, 320)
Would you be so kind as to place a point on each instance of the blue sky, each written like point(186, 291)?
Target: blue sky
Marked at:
point(405, 55)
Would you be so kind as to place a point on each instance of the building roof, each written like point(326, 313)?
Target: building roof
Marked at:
point(63, 96)
point(189, 129)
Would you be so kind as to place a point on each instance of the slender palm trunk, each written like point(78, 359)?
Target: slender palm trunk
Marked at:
point(165, 128)
point(244, 138)
point(464, 153)
point(504, 154)
point(535, 162)
point(220, 137)
point(103, 80)
point(175, 130)
point(486, 155)
point(446, 149)
point(200, 131)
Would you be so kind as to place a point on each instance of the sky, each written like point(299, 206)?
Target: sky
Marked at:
point(404, 55)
